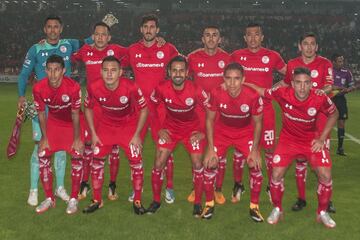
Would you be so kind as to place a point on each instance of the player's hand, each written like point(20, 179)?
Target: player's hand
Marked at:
point(164, 135)
point(42, 41)
point(21, 102)
point(196, 136)
point(160, 41)
point(43, 144)
point(135, 145)
point(211, 159)
point(95, 140)
point(319, 92)
point(78, 146)
point(317, 145)
point(254, 159)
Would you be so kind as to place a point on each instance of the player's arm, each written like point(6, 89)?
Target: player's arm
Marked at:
point(254, 158)
point(77, 145)
point(211, 159)
point(89, 116)
point(136, 139)
point(259, 90)
point(43, 144)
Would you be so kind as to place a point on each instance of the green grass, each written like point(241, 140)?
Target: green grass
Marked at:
point(117, 221)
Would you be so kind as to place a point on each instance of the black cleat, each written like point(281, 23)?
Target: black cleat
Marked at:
point(154, 206)
point(237, 191)
point(331, 208)
point(197, 210)
point(340, 151)
point(112, 195)
point(256, 215)
point(93, 206)
point(84, 190)
point(299, 205)
point(138, 208)
point(208, 211)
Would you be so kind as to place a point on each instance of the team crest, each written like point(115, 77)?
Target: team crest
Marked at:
point(244, 108)
point(123, 99)
point(276, 159)
point(65, 98)
point(63, 49)
point(42, 153)
point(160, 54)
point(311, 111)
point(315, 84)
point(189, 101)
point(96, 150)
point(110, 52)
point(314, 73)
point(161, 141)
point(221, 64)
point(265, 59)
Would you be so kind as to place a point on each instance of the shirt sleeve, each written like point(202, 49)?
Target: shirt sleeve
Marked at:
point(203, 97)
point(349, 79)
point(76, 98)
point(173, 51)
point(327, 106)
point(77, 56)
point(89, 99)
point(139, 97)
point(329, 74)
point(155, 96)
point(257, 106)
point(288, 75)
point(27, 69)
point(212, 104)
point(279, 62)
point(38, 102)
point(273, 93)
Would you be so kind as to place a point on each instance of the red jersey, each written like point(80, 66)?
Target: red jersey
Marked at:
point(236, 113)
point(60, 101)
point(118, 106)
point(92, 58)
point(180, 104)
point(149, 64)
point(259, 66)
point(207, 71)
point(321, 71)
point(299, 117)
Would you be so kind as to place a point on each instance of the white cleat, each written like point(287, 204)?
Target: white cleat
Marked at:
point(72, 206)
point(325, 219)
point(169, 196)
point(274, 216)
point(131, 197)
point(33, 198)
point(61, 193)
point(45, 205)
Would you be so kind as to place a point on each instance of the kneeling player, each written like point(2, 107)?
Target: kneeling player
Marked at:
point(299, 138)
point(60, 130)
point(239, 124)
point(180, 97)
point(119, 124)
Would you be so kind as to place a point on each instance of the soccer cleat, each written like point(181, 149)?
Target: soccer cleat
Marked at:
point(191, 197)
point(61, 193)
point(256, 215)
point(269, 193)
point(275, 216)
point(237, 191)
point(131, 196)
point(112, 195)
point(84, 190)
point(169, 196)
point(33, 197)
point(340, 151)
point(299, 205)
point(197, 210)
point(325, 219)
point(138, 208)
point(219, 197)
point(95, 205)
point(72, 206)
point(154, 206)
point(331, 208)
point(45, 205)
point(208, 211)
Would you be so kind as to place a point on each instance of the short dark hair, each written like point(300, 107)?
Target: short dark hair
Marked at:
point(56, 59)
point(234, 66)
point(254, 24)
point(335, 56)
point(301, 70)
point(150, 17)
point(110, 59)
point(53, 17)
point(307, 34)
point(211, 26)
point(102, 24)
point(178, 58)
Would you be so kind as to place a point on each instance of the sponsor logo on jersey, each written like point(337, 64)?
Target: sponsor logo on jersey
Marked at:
point(102, 99)
point(168, 100)
point(244, 108)
point(150, 65)
point(314, 84)
point(201, 74)
point(44, 54)
point(65, 98)
point(265, 59)
point(160, 54)
point(222, 105)
point(276, 159)
point(314, 73)
point(63, 49)
point(288, 106)
point(189, 101)
point(221, 64)
point(311, 111)
point(256, 69)
point(110, 52)
point(123, 99)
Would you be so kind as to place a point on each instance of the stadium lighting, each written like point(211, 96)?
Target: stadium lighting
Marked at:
point(306, 3)
point(355, 14)
point(283, 2)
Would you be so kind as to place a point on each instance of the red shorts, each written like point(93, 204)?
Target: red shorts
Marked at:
point(225, 138)
point(267, 140)
point(320, 125)
point(287, 151)
point(155, 118)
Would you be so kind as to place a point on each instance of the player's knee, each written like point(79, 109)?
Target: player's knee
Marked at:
point(324, 176)
point(277, 175)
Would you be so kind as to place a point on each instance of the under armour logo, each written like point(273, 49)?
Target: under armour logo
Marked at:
point(102, 99)
point(44, 54)
point(223, 106)
point(242, 58)
point(201, 64)
point(195, 145)
point(89, 53)
point(167, 100)
point(46, 99)
point(325, 160)
point(138, 55)
point(288, 106)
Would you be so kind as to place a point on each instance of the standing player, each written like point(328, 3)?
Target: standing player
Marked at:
point(182, 124)
point(206, 68)
point(60, 130)
point(300, 137)
point(35, 61)
point(148, 61)
point(343, 84)
point(322, 78)
point(239, 124)
point(92, 56)
point(259, 65)
point(119, 124)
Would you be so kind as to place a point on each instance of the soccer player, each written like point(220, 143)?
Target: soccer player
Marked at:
point(322, 78)
point(35, 61)
point(180, 97)
point(240, 111)
point(259, 64)
point(343, 84)
point(119, 124)
point(60, 130)
point(92, 56)
point(206, 68)
point(299, 137)
point(148, 61)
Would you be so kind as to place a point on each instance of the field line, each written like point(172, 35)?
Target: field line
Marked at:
point(351, 137)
